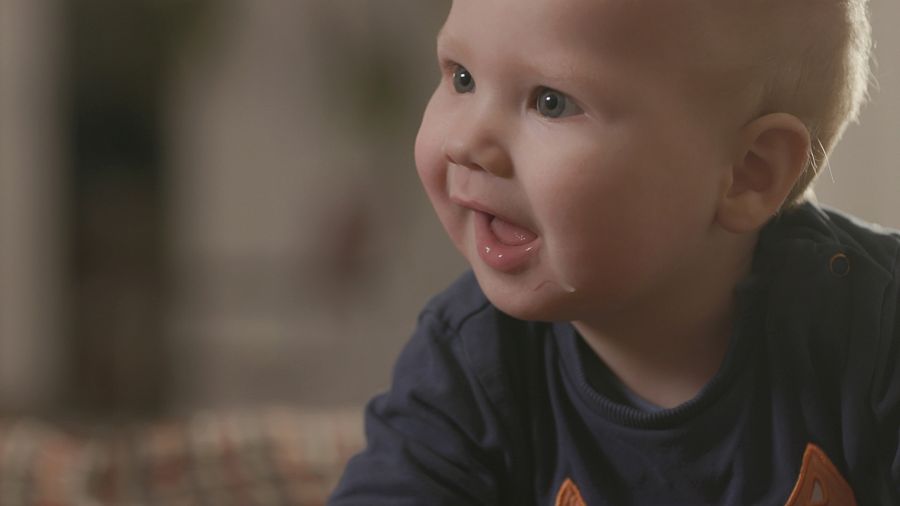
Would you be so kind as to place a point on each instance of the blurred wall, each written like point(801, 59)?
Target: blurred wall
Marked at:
point(31, 201)
point(864, 174)
point(302, 245)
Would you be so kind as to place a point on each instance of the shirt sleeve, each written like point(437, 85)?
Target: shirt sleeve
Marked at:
point(433, 438)
point(886, 397)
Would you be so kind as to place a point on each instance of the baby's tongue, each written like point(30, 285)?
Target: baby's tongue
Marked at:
point(512, 235)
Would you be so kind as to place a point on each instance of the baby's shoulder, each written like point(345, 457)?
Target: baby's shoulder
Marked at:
point(833, 292)
point(458, 303)
point(880, 244)
point(487, 341)
point(465, 312)
point(826, 229)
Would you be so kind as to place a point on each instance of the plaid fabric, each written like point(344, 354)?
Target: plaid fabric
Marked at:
point(282, 457)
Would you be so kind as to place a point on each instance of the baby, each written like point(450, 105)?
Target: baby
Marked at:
point(656, 314)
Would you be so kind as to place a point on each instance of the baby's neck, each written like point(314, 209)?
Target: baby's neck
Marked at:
point(668, 349)
point(668, 368)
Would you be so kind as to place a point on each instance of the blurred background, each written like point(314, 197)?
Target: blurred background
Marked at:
point(213, 204)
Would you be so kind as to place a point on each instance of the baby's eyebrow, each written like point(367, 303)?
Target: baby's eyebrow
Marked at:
point(441, 33)
point(567, 71)
point(560, 70)
point(445, 38)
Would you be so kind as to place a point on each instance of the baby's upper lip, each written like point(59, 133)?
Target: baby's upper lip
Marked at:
point(478, 206)
point(472, 204)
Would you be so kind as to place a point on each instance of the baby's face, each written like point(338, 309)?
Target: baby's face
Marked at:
point(563, 155)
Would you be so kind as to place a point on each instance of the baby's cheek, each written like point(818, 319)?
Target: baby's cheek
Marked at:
point(430, 139)
point(595, 253)
point(426, 152)
point(432, 173)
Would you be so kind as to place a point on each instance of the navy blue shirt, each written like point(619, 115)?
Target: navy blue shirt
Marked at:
point(486, 409)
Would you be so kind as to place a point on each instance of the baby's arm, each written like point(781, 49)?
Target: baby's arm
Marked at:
point(433, 439)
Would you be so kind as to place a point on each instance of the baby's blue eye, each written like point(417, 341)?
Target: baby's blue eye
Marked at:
point(553, 104)
point(462, 80)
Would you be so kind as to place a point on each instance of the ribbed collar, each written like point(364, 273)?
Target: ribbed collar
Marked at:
point(576, 356)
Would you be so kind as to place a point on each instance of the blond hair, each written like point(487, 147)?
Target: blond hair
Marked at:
point(820, 72)
point(808, 58)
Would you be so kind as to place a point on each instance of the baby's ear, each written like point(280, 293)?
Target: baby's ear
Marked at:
point(773, 152)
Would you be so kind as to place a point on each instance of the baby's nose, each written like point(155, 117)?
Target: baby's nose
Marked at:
point(479, 143)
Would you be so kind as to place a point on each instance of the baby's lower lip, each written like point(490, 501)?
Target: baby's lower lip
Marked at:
point(504, 256)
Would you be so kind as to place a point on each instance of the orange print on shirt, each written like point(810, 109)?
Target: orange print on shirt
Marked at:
point(820, 483)
point(569, 495)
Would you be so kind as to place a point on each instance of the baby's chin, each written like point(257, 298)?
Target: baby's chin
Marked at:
point(526, 297)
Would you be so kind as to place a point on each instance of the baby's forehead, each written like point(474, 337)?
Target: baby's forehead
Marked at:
point(707, 43)
point(665, 30)
point(636, 31)
point(704, 38)
point(636, 20)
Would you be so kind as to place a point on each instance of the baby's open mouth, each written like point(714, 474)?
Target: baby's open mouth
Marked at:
point(509, 233)
point(502, 245)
